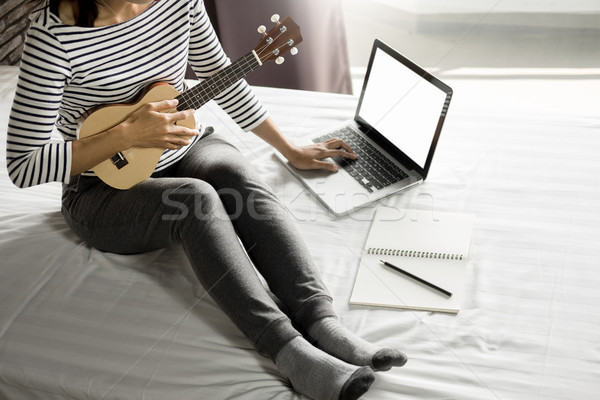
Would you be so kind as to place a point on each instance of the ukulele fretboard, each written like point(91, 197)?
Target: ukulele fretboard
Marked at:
point(206, 90)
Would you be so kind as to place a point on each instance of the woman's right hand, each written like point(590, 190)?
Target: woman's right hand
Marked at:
point(153, 125)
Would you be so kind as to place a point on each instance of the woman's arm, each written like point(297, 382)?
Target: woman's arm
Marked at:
point(32, 156)
point(206, 56)
point(303, 157)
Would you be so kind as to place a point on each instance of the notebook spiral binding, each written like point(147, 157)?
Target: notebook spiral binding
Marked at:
point(413, 253)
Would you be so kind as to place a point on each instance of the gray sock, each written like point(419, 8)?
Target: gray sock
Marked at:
point(338, 341)
point(319, 376)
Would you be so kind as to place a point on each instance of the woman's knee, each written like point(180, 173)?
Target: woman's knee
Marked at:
point(232, 172)
point(193, 198)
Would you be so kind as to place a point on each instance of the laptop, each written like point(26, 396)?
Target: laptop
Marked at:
point(395, 130)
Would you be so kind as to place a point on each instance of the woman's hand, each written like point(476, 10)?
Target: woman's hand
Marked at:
point(311, 156)
point(304, 157)
point(153, 125)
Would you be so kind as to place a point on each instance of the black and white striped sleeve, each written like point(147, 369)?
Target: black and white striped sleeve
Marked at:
point(32, 156)
point(206, 56)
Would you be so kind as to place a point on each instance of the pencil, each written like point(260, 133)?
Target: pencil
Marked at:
point(416, 278)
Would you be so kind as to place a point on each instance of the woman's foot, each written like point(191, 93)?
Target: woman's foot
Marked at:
point(320, 376)
point(338, 341)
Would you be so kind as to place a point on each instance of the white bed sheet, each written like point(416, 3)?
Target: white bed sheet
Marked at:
point(76, 323)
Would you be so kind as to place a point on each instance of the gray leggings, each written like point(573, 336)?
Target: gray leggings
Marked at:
point(205, 202)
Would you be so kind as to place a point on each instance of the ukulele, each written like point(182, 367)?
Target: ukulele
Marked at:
point(135, 165)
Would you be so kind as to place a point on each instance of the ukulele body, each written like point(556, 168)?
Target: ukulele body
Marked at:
point(140, 161)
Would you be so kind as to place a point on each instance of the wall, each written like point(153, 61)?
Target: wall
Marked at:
point(13, 24)
point(478, 33)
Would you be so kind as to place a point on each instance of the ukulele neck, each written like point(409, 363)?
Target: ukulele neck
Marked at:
point(208, 89)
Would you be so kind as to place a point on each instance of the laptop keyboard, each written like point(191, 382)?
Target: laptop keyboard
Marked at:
point(372, 169)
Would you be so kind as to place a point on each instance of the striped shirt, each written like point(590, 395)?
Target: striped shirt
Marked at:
point(67, 70)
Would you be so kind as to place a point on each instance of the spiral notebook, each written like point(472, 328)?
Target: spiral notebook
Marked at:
point(433, 246)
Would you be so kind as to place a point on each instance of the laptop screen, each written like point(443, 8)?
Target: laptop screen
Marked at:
point(401, 104)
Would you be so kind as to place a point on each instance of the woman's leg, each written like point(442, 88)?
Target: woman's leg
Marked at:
point(159, 212)
point(264, 227)
point(278, 252)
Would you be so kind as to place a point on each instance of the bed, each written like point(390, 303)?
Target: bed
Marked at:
point(77, 323)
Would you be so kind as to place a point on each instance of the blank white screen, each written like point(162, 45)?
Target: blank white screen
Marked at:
point(402, 106)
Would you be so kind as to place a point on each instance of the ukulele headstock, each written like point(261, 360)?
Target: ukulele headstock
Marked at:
point(283, 37)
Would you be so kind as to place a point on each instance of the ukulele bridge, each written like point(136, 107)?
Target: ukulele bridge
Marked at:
point(119, 160)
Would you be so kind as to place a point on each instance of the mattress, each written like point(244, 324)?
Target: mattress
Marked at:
point(77, 323)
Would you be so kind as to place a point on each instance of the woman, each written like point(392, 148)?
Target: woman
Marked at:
point(80, 54)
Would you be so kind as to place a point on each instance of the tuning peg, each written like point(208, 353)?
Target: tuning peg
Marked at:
point(293, 51)
point(279, 60)
point(275, 18)
point(262, 29)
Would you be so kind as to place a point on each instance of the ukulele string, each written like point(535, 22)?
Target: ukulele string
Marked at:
point(266, 57)
point(266, 47)
point(207, 91)
point(216, 83)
